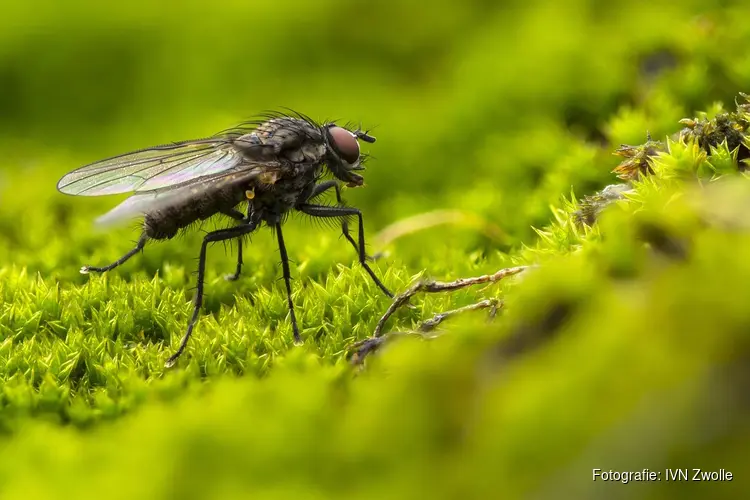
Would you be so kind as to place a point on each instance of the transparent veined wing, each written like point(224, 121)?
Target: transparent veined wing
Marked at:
point(136, 205)
point(141, 203)
point(153, 168)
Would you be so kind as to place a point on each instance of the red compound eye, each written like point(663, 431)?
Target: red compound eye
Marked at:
point(345, 144)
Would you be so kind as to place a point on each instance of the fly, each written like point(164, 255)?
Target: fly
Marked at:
point(275, 165)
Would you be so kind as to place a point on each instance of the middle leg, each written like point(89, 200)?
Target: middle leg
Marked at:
point(238, 216)
point(287, 281)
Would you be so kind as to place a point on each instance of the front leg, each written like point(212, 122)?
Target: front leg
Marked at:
point(343, 212)
point(322, 188)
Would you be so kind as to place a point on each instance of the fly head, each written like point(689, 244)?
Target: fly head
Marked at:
point(343, 156)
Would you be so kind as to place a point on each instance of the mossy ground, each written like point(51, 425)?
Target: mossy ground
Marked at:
point(626, 349)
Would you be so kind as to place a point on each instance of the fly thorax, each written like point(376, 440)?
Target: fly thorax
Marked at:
point(307, 152)
point(313, 151)
point(254, 148)
point(283, 138)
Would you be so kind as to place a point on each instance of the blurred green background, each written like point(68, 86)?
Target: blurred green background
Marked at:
point(496, 109)
point(491, 107)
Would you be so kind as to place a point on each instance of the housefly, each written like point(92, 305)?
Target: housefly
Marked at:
point(275, 165)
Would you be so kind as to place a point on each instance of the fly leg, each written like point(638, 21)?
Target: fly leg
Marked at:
point(214, 236)
point(325, 186)
point(287, 279)
point(238, 216)
point(343, 212)
point(238, 269)
point(138, 247)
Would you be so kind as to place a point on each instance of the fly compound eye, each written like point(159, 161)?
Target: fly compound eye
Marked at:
point(345, 144)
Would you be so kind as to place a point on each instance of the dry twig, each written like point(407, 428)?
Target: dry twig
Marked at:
point(364, 347)
point(432, 286)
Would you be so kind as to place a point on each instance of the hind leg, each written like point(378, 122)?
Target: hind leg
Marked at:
point(138, 247)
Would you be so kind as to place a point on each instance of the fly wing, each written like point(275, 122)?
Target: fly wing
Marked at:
point(151, 201)
point(153, 168)
point(136, 205)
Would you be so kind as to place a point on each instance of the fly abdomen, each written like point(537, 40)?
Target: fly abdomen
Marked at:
point(203, 203)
